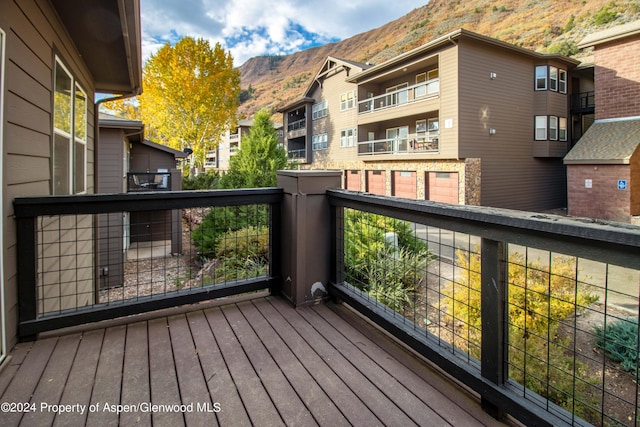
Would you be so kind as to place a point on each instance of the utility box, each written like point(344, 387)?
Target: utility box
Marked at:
point(306, 245)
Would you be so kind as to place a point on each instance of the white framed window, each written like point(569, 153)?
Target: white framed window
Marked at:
point(562, 81)
point(562, 128)
point(541, 128)
point(421, 126)
point(396, 94)
point(553, 79)
point(347, 100)
point(553, 128)
point(541, 77)
point(348, 137)
point(433, 81)
point(319, 110)
point(319, 142)
point(69, 151)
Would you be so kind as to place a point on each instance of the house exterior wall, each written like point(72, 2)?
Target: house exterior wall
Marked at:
point(634, 186)
point(617, 78)
point(603, 200)
point(512, 177)
point(34, 35)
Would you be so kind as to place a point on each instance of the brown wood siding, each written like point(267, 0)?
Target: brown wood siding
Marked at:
point(442, 187)
point(404, 184)
point(33, 34)
point(511, 177)
point(376, 182)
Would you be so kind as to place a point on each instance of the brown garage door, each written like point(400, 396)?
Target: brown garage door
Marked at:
point(404, 184)
point(442, 187)
point(352, 180)
point(376, 182)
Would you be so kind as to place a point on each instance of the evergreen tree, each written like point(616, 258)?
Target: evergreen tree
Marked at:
point(259, 157)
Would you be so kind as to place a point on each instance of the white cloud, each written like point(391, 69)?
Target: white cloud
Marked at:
point(249, 28)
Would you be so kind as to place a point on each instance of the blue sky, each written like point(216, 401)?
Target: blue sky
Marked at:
point(249, 28)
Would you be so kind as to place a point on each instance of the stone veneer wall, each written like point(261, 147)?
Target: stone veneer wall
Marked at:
point(468, 174)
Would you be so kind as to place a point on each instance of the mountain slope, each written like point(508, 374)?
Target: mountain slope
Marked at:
point(542, 25)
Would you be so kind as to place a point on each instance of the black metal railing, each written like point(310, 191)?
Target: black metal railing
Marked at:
point(148, 181)
point(523, 308)
point(583, 102)
point(95, 257)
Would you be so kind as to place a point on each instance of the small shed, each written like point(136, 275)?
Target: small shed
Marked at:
point(603, 172)
point(126, 162)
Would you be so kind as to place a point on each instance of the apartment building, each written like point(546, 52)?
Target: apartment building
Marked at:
point(463, 119)
point(603, 168)
point(230, 142)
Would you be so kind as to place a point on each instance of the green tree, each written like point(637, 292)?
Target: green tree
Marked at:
point(259, 157)
point(190, 96)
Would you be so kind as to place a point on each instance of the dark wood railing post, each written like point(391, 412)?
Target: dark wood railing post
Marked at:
point(27, 271)
point(306, 241)
point(493, 301)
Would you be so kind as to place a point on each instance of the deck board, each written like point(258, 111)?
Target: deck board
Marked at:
point(260, 361)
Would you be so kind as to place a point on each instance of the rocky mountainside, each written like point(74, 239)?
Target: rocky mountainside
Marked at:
point(542, 25)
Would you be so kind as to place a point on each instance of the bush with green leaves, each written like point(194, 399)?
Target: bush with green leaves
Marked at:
point(204, 181)
point(372, 263)
point(539, 299)
point(223, 219)
point(619, 340)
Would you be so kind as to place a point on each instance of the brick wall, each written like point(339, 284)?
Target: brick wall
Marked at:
point(603, 200)
point(617, 78)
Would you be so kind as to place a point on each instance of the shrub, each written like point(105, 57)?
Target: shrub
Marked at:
point(389, 274)
point(203, 181)
point(539, 300)
point(605, 15)
point(619, 340)
point(229, 218)
point(248, 242)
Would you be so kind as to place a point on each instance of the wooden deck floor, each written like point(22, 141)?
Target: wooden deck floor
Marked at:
point(253, 362)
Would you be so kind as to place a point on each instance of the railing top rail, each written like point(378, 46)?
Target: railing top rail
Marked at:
point(31, 207)
point(606, 241)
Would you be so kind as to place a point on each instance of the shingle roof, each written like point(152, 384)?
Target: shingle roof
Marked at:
point(607, 141)
point(611, 34)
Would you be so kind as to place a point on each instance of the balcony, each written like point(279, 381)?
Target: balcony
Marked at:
point(584, 102)
point(297, 129)
point(148, 181)
point(503, 302)
point(298, 155)
point(411, 144)
point(410, 94)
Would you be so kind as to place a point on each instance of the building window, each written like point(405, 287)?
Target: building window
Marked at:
point(562, 81)
point(553, 78)
point(347, 100)
point(319, 142)
point(69, 133)
point(562, 128)
point(541, 77)
point(319, 110)
point(348, 137)
point(541, 128)
point(553, 128)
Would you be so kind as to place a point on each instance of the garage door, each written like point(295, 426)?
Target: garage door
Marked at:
point(376, 182)
point(352, 180)
point(442, 187)
point(404, 184)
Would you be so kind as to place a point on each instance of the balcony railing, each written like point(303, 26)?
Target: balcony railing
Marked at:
point(148, 181)
point(300, 154)
point(508, 303)
point(419, 92)
point(410, 144)
point(94, 257)
point(512, 304)
point(297, 125)
point(584, 101)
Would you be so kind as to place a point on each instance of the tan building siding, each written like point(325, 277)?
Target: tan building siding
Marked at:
point(33, 36)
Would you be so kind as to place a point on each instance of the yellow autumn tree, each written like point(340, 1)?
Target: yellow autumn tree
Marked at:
point(190, 96)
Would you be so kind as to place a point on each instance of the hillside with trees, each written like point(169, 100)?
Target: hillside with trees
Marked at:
point(542, 25)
